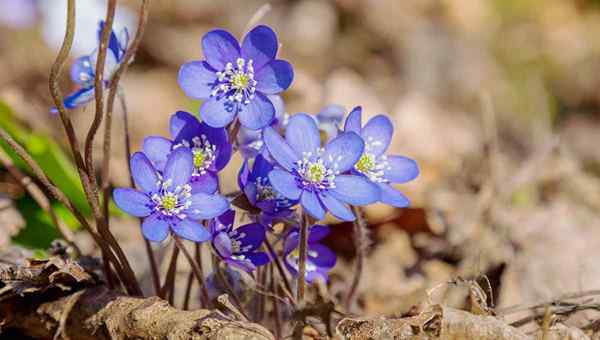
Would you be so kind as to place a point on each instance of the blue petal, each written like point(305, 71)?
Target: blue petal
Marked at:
point(219, 138)
point(144, 174)
point(343, 151)
point(258, 258)
point(205, 206)
point(82, 71)
point(377, 134)
point(207, 183)
point(110, 63)
point(400, 169)
point(336, 208)
point(79, 98)
point(260, 168)
point(226, 219)
point(113, 42)
point(179, 167)
point(302, 134)
point(191, 230)
point(197, 79)
point(316, 275)
point(252, 235)
point(279, 106)
point(222, 244)
point(258, 113)
point(331, 113)
point(260, 45)
point(183, 125)
point(317, 233)
point(217, 112)
point(393, 197)
point(353, 121)
point(279, 149)
point(157, 149)
point(220, 48)
point(355, 190)
point(321, 256)
point(155, 227)
point(123, 38)
point(285, 183)
point(132, 202)
point(310, 202)
point(274, 77)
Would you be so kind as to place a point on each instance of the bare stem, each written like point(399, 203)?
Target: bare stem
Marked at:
point(198, 257)
point(195, 267)
point(360, 244)
point(170, 279)
point(302, 262)
point(280, 270)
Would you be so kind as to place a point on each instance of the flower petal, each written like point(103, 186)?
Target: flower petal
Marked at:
point(179, 167)
point(302, 134)
point(82, 70)
point(191, 230)
point(205, 206)
point(285, 184)
point(279, 149)
point(260, 45)
point(274, 77)
point(183, 125)
point(219, 138)
point(143, 172)
point(226, 219)
point(207, 183)
point(321, 256)
point(400, 169)
point(197, 79)
point(220, 48)
point(155, 227)
point(258, 258)
point(311, 203)
point(133, 202)
point(336, 208)
point(258, 113)
point(355, 190)
point(317, 233)
point(393, 197)
point(250, 235)
point(217, 112)
point(78, 98)
point(157, 149)
point(377, 134)
point(222, 244)
point(344, 151)
point(353, 121)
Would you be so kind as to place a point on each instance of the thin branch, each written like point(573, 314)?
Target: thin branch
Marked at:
point(170, 279)
point(302, 261)
point(195, 267)
point(280, 270)
point(360, 244)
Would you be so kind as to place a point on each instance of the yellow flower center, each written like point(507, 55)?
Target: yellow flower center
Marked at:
point(366, 163)
point(199, 158)
point(240, 81)
point(316, 172)
point(169, 202)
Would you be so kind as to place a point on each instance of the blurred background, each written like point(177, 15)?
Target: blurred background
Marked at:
point(497, 100)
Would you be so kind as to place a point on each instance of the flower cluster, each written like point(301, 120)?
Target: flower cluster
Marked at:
point(289, 161)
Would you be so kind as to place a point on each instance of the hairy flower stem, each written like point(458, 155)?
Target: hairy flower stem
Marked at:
point(360, 243)
point(204, 299)
point(228, 287)
point(276, 313)
point(280, 270)
point(195, 267)
point(302, 262)
point(234, 129)
point(170, 279)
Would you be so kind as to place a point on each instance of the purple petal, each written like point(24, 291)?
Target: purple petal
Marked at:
point(183, 125)
point(79, 98)
point(336, 208)
point(355, 190)
point(260, 168)
point(220, 48)
point(344, 151)
point(302, 134)
point(313, 276)
point(179, 167)
point(144, 174)
point(285, 184)
point(251, 235)
point(377, 134)
point(312, 205)
point(197, 79)
point(157, 149)
point(321, 256)
point(82, 70)
point(217, 112)
point(219, 138)
point(205, 206)
point(279, 106)
point(155, 227)
point(393, 197)
point(279, 149)
point(317, 233)
point(258, 258)
point(207, 183)
point(274, 77)
point(353, 121)
point(191, 230)
point(222, 244)
point(400, 169)
point(260, 45)
point(227, 218)
point(258, 113)
point(133, 202)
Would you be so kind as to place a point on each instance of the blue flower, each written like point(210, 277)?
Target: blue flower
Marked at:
point(254, 183)
point(315, 175)
point(210, 147)
point(374, 164)
point(83, 70)
point(329, 119)
point(238, 247)
point(236, 81)
point(319, 260)
point(165, 198)
point(250, 141)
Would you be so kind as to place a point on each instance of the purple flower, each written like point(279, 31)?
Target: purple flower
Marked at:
point(319, 260)
point(379, 168)
point(315, 175)
point(250, 141)
point(238, 247)
point(165, 198)
point(83, 70)
point(210, 147)
point(254, 183)
point(329, 119)
point(236, 81)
